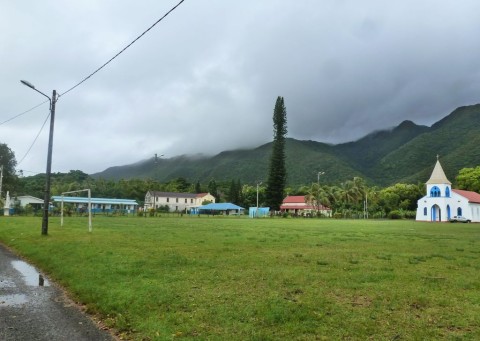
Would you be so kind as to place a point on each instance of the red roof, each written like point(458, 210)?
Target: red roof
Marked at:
point(297, 207)
point(297, 202)
point(473, 197)
point(294, 199)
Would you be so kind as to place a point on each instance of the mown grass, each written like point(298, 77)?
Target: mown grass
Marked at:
point(217, 278)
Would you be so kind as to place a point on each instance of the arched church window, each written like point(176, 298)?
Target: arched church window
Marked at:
point(424, 211)
point(459, 211)
point(447, 192)
point(435, 192)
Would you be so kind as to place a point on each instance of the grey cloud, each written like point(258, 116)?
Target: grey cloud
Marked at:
point(206, 78)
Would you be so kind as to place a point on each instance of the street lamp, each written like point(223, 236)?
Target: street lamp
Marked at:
point(46, 201)
point(318, 176)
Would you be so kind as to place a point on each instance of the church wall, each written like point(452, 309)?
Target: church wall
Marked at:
point(468, 210)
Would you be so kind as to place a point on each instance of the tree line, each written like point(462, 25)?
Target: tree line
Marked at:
point(349, 199)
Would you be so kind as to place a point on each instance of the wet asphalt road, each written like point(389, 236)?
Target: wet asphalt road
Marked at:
point(32, 312)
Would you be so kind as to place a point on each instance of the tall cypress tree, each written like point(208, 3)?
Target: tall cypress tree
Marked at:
point(277, 175)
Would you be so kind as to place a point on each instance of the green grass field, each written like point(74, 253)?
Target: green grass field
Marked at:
point(217, 278)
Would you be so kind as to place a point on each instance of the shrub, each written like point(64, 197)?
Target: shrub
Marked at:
point(396, 214)
point(337, 215)
point(410, 214)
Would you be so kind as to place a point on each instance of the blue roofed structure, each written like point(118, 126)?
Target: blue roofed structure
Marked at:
point(100, 205)
point(224, 207)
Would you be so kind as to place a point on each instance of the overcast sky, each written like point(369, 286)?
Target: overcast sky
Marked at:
point(206, 78)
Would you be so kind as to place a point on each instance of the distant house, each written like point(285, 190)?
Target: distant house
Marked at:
point(176, 202)
point(24, 200)
point(441, 202)
point(99, 205)
point(296, 204)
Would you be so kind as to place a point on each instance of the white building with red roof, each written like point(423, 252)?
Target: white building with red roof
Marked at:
point(442, 203)
point(297, 205)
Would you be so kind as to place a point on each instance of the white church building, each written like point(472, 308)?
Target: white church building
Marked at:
point(441, 202)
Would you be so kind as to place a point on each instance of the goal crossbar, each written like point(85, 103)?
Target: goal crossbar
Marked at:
point(89, 207)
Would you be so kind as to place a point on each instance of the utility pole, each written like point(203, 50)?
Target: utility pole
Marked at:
point(1, 179)
point(258, 184)
point(46, 199)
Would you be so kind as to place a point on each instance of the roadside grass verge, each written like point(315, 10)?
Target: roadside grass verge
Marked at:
point(213, 278)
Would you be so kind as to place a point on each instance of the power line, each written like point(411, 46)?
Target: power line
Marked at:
point(86, 78)
point(23, 113)
point(121, 51)
point(35, 140)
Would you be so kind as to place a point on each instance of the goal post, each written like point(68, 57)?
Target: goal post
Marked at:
point(89, 207)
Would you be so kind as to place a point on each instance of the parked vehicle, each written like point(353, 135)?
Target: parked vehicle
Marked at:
point(460, 219)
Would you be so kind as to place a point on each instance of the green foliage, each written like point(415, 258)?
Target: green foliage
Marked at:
point(235, 193)
point(249, 196)
point(277, 175)
point(163, 209)
point(198, 187)
point(213, 189)
point(469, 179)
point(179, 185)
point(317, 196)
point(396, 214)
point(8, 162)
point(400, 196)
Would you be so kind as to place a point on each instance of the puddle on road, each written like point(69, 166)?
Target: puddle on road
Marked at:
point(13, 300)
point(30, 274)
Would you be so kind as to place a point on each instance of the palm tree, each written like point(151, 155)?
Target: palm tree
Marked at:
point(317, 197)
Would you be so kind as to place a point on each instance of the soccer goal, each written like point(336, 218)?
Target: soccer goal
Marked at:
point(89, 207)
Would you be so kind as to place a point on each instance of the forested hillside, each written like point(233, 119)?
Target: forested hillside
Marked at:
point(405, 153)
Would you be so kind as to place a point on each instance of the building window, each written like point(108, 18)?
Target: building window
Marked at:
point(191, 201)
point(168, 199)
point(447, 192)
point(435, 192)
point(185, 201)
point(425, 211)
point(459, 211)
point(176, 200)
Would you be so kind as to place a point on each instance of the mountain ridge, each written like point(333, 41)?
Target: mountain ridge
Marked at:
point(404, 153)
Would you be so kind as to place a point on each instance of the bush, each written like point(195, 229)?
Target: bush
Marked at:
point(396, 214)
point(410, 214)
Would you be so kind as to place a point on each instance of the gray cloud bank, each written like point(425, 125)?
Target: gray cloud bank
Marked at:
point(206, 78)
